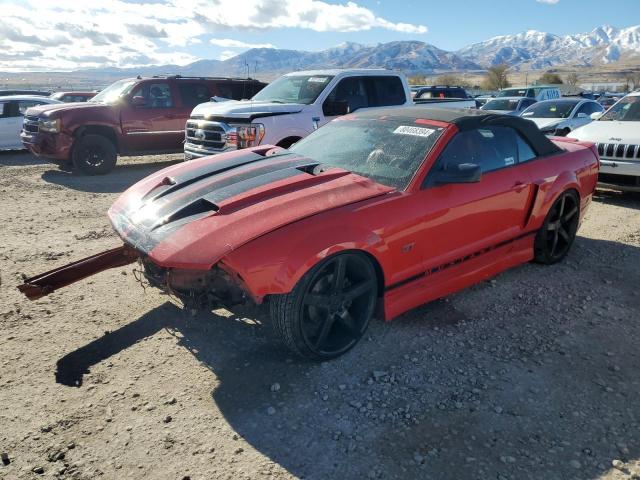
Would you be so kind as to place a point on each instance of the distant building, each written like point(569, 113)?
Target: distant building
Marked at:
point(605, 86)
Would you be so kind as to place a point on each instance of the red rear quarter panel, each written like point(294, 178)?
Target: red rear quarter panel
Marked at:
point(575, 168)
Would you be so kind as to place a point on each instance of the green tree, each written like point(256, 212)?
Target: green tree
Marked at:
point(451, 80)
point(549, 78)
point(497, 78)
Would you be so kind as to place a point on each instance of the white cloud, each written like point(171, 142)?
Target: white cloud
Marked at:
point(550, 2)
point(68, 34)
point(227, 54)
point(229, 43)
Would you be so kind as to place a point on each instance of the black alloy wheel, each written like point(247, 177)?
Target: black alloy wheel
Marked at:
point(558, 232)
point(94, 154)
point(329, 310)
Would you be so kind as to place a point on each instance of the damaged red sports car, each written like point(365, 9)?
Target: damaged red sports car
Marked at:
point(378, 211)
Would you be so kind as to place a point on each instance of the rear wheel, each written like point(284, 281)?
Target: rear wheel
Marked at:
point(558, 232)
point(94, 155)
point(329, 309)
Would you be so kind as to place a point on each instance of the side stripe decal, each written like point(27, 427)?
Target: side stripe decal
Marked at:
point(455, 262)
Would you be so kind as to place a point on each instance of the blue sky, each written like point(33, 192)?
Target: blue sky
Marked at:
point(451, 28)
point(70, 34)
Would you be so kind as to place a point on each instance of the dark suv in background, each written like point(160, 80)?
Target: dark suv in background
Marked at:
point(438, 91)
point(134, 116)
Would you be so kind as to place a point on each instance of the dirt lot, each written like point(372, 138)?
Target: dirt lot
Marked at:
point(532, 375)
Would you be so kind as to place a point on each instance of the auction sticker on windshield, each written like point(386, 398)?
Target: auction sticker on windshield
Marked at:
point(414, 131)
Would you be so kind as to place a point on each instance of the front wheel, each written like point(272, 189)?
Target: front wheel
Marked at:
point(329, 309)
point(559, 229)
point(94, 155)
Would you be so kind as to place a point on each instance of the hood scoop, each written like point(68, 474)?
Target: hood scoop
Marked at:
point(207, 170)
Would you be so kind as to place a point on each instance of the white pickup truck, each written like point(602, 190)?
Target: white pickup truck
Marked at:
point(293, 106)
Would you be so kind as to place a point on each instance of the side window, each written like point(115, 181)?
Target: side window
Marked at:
point(385, 91)
point(24, 105)
point(254, 88)
point(350, 90)
point(157, 95)
point(589, 108)
point(242, 90)
point(4, 109)
point(224, 90)
point(193, 94)
point(492, 148)
point(525, 152)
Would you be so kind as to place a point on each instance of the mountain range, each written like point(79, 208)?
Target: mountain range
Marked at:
point(534, 50)
point(540, 50)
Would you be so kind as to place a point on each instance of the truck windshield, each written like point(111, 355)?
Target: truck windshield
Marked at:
point(560, 109)
point(294, 89)
point(114, 91)
point(626, 110)
point(515, 92)
point(387, 151)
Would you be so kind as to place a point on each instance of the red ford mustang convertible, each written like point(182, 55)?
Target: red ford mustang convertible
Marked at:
point(379, 211)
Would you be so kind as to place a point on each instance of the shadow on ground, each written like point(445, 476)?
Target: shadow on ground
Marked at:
point(478, 397)
point(613, 197)
point(118, 180)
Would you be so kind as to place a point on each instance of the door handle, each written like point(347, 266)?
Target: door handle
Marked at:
point(519, 186)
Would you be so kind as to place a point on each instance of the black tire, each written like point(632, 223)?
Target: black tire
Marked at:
point(553, 241)
point(65, 166)
point(329, 309)
point(94, 155)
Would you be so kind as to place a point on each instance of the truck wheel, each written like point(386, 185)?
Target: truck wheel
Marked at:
point(329, 309)
point(94, 155)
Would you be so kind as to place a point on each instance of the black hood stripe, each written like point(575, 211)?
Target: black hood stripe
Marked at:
point(202, 193)
point(182, 180)
point(234, 189)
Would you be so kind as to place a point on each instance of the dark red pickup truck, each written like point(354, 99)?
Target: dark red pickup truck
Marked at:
point(135, 116)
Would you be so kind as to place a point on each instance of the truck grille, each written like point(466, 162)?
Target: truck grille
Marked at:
point(205, 134)
point(30, 124)
point(619, 150)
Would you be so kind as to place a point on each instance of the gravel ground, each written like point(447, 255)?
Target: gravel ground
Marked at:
point(532, 375)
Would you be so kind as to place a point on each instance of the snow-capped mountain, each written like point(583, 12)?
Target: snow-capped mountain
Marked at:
point(538, 50)
point(408, 56)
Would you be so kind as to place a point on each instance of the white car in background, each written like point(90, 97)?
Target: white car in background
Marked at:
point(617, 135)
point(508, 105)
point(12, 110)
point(539, 92)
point(559, 117)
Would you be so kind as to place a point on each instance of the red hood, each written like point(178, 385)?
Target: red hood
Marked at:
point(191, 215)
point(59, 110)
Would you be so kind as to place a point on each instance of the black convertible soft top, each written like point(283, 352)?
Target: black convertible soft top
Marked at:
point(466, 119)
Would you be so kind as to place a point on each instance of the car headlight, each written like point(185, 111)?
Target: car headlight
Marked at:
point(51, 126)
point(246, 135)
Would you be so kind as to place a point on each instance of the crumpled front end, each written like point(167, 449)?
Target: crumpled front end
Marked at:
point(216, 287)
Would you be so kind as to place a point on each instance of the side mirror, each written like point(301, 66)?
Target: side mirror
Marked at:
point(332, 109)
point(581, 115)
point(596, 115)
point(462, 173)
point(138, 101)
